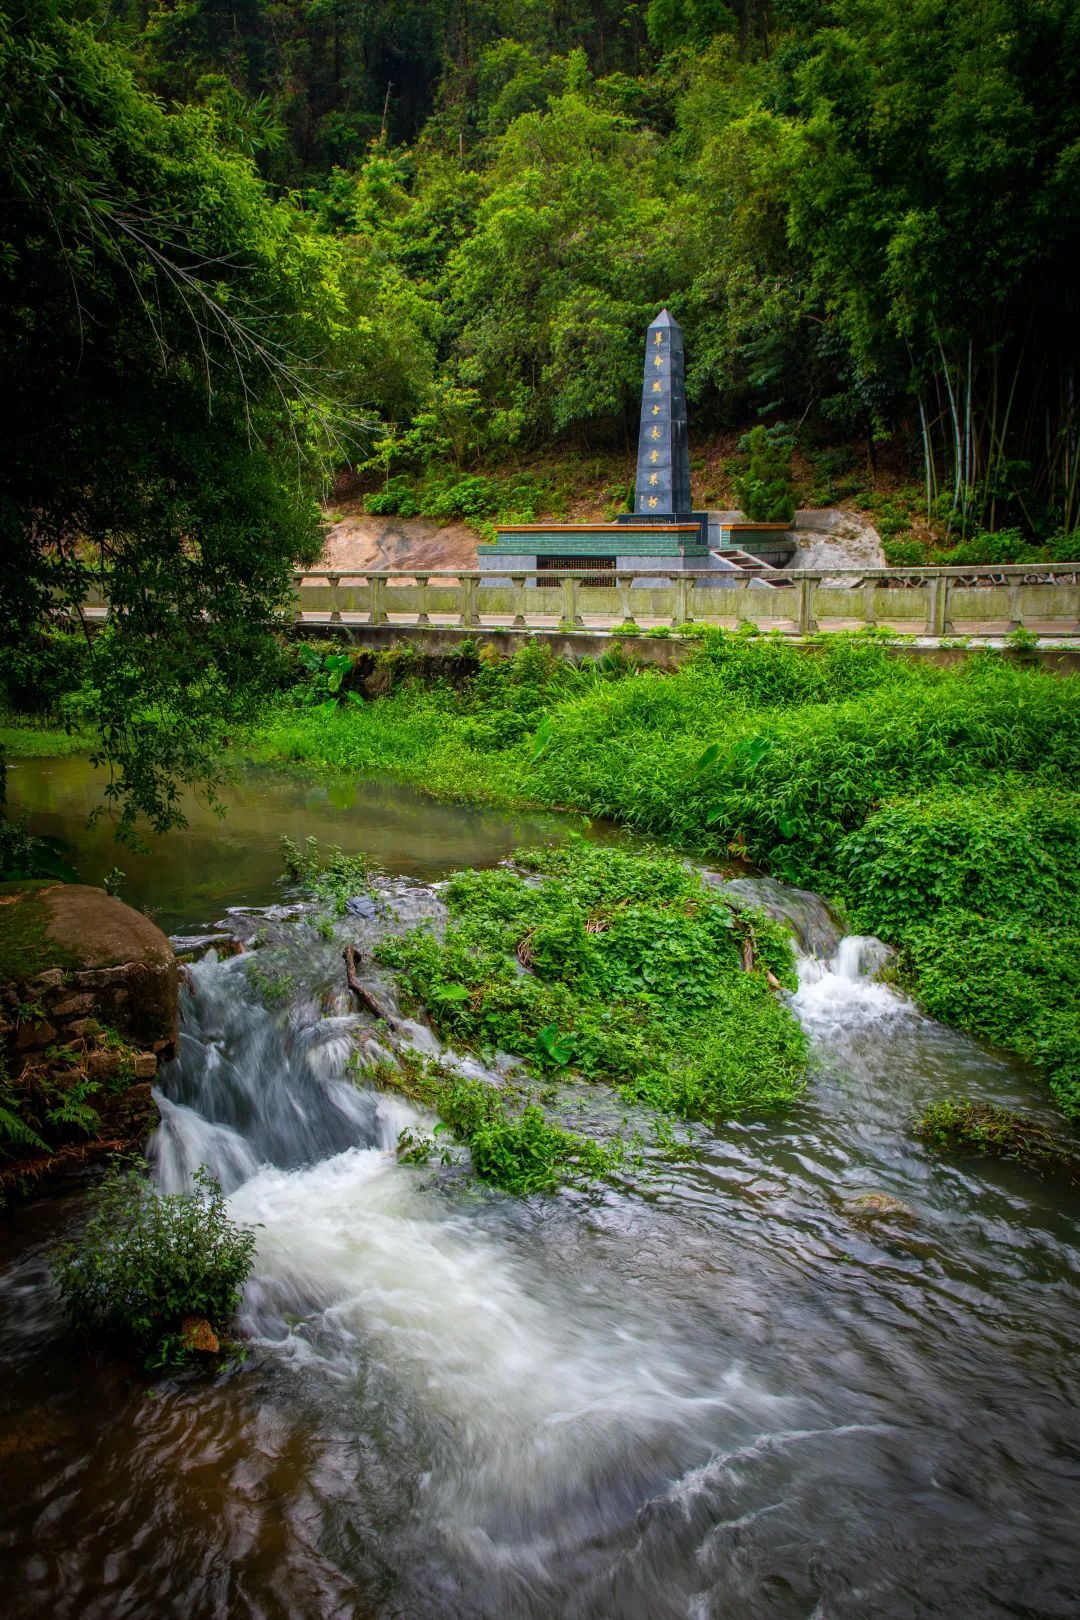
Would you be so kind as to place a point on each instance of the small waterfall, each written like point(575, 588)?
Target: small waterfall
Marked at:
point(252, 1087)
point(840, 995)
point(813, 924)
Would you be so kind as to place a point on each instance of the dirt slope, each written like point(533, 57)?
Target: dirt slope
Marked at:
point(359, 541)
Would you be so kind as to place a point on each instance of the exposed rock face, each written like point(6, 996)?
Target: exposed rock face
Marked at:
point(359, 540)
point(831, 538)
point(88, 1010)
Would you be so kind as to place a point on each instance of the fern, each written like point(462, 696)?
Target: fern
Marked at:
point(13, 1129)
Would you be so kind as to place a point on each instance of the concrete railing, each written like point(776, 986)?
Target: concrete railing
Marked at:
point(926, 601)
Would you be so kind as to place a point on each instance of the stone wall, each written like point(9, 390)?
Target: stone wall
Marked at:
point(88, 1012)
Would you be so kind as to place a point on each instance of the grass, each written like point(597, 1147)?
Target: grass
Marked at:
point(938, 805)
point(959, 1125)
point(29, 740)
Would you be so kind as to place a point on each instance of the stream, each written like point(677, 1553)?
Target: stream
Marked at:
point(721, 1389)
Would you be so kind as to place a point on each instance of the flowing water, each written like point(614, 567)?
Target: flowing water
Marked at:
point(731, 1390)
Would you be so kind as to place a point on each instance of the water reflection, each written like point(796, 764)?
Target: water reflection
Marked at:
point(188, 878)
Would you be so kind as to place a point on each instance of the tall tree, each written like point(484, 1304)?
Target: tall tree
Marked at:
point(162, 325)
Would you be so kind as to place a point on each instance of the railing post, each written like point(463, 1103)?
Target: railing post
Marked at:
point(869, 610)
point(520, 600)
point(298, 601)
point(805, 623)
point(422, 615)
point(682, 612)
point(946, 617)
point(377, 589)
point(1016, 619)
point(570, 619)
point(335, 600)
point(469, 615)
point(935, 602)
point(625, 583)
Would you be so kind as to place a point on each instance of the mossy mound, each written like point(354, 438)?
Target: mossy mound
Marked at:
point(72, 926)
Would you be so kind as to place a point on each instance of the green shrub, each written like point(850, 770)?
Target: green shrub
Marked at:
point(1008, 852)
point(765, 489)
point(1012, 981)
point(145, 1261)
point(520, 1151)
point(397, 496)
point(1001, 547)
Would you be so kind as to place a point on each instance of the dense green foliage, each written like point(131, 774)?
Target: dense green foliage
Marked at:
point(160, 322)
point(145, 1261)
point(624, 967)
point(938, 805)
point(764, 489)
point(512, 1143)
point(863, 213)
point(232, 231)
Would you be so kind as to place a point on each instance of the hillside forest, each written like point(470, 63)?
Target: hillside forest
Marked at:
point(866, 217)
point(252, 247)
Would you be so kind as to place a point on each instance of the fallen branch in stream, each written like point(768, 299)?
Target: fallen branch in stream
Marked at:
point(364, 995)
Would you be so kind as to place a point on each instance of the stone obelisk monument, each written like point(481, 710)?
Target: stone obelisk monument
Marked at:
point(662, 488)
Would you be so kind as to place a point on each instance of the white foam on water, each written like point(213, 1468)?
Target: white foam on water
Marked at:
point(841, 991)
point(530, 1387)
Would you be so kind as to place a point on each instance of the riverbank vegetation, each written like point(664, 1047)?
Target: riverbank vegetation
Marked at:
point(624, 967)
point(938, 807)
point(960, 1126)
point(154, 1273)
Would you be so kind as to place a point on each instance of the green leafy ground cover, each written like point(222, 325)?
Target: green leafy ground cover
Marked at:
point(625, 968)
point(939, 806)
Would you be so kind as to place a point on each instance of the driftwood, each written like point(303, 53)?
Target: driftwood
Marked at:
point(748, 953)
point(362, 993)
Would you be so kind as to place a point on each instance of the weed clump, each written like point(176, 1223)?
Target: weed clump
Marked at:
point(624, 968)
point(145, 1261)
point(959, 1125)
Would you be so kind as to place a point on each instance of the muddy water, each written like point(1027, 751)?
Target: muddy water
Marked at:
point(725, 1391)
point(187, 878)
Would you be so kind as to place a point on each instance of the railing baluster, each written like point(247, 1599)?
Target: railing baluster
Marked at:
point(421, 584)
point(520, 600)
point(682, 612)
point(625, 583)
point(805, 623)
point(570, 619)
point(377, 609)
point(937, 605)
point(1016, 620)
point(335, 599)
point(469, 615)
